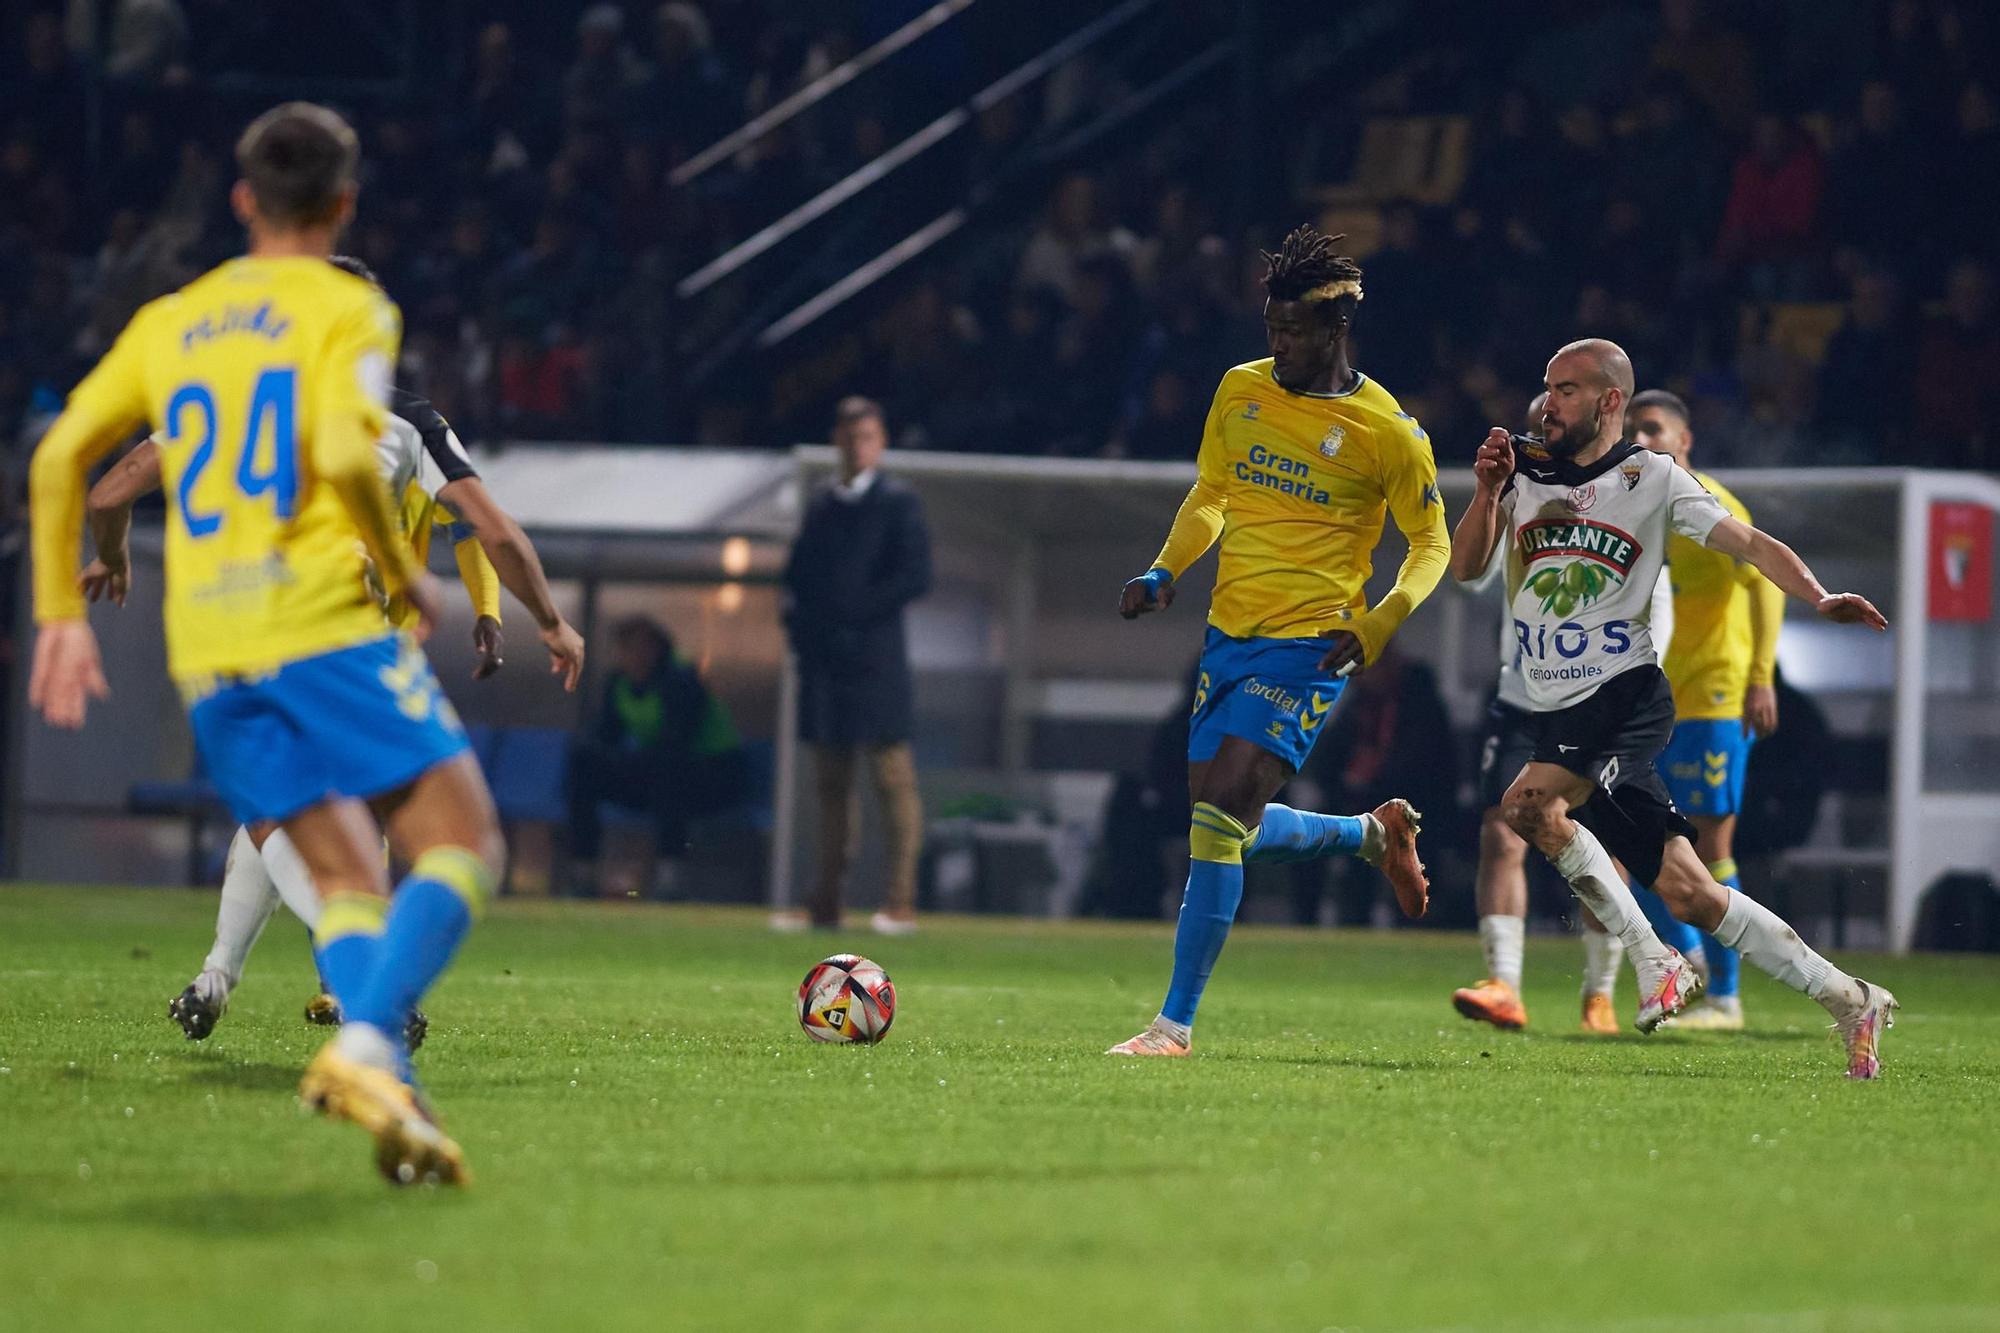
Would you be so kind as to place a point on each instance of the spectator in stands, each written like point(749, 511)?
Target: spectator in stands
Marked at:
point(1772, 217)
point(1396, 344)
point(661, 744)
point(685, 99)
point(606, 71)
point(1958, 376)
point(1971, 163)
point(1713, 58)
point(861, 557)
point(1877, 176)
point(1071, 232)
point(1169, 426)
point(1865, 376)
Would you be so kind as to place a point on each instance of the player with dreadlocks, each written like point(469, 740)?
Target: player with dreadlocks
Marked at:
point(1301, 458)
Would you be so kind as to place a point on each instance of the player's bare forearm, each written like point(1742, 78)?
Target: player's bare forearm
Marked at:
point(56, 506)
point(110, 505)
point(506, 544)
point(1770, 557)
point(1473, 540)
point(1782, 566)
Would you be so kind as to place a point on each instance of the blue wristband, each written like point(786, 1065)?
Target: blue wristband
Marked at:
point(1155, 579)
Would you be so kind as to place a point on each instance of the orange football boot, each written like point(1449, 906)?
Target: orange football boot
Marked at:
point(1491, 1001)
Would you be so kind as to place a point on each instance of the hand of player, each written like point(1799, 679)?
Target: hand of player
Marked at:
point(1344, 654)
point(1851, 608)
point(67, 674)
point(487, 642)
point(1760, 711)
point(565, 647)
point(1145, 594)
point(100, 581)
point(423, 596)
point(1494, 462)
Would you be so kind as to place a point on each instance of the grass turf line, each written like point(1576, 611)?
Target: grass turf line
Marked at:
point(658, 1146)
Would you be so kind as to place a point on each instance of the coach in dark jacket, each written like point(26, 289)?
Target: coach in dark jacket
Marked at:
point(862, 555)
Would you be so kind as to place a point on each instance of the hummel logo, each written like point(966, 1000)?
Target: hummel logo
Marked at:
point(1565, 749)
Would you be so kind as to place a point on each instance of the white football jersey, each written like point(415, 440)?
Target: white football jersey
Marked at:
point(1513, 688)
point(1586, 552)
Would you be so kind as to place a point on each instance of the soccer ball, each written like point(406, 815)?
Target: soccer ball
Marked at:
point(846, 998)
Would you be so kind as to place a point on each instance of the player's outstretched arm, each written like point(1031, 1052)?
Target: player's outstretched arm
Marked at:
point(109, 575)
point(520, 569)
point(1478, 532)
point(1781, 564)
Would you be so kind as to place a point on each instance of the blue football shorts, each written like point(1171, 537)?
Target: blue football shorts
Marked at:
point(354, 722)
point(1271, 692)
point(1703, 765)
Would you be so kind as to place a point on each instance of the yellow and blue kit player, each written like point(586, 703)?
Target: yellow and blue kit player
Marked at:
point(268, 378)
point(1721, 663)
point(1301, 459)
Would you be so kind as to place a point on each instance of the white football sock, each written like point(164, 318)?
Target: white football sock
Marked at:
point(1602, 954)
point(1761, 936)
point(1180, 1032)
point(1593, 876)
point(248, 899)
point(295, 883)
point(1500, 937)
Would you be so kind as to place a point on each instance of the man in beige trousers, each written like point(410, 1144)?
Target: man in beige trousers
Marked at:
point(862, 555)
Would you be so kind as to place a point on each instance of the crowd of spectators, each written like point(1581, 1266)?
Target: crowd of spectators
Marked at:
point(1799, 247)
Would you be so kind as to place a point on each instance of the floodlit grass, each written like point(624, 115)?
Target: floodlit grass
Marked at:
point(658, 1146)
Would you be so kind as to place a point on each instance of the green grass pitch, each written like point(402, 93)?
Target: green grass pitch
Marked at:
point(657, 1145)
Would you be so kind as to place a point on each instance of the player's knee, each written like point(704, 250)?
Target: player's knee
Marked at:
point(1530, 814)
point(1496, 838)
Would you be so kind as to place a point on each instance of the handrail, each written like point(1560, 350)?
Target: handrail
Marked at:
point(943, 127)
point(937, 229)
point(834, 79)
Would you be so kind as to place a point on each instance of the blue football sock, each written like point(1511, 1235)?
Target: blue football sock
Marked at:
point(1674, 933)
point(433, 910)
point(1723, 966)
point(1300, 835)
point(1214, 892)
point(346, 941)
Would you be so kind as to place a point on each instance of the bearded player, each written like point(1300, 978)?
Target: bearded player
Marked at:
point(1586, 534)
point(1301, 458)
point(1500, 882)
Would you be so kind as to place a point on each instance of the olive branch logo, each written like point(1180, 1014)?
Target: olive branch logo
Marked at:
point(1579, 583)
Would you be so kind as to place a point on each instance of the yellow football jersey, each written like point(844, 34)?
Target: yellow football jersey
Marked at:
point(1714, 655)
point(262, 376)
point(1297, 486)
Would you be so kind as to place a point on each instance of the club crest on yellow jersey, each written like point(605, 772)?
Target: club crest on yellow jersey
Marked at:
point(1336, 436)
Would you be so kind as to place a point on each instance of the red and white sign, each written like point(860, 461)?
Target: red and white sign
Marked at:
point(1961, 560)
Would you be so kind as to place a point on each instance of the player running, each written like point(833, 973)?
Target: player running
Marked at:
point(1500, 884)
point(1586, 530)
point(1721, 660)
point(268, 376)
point(421, 460)
point(1300, 458)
